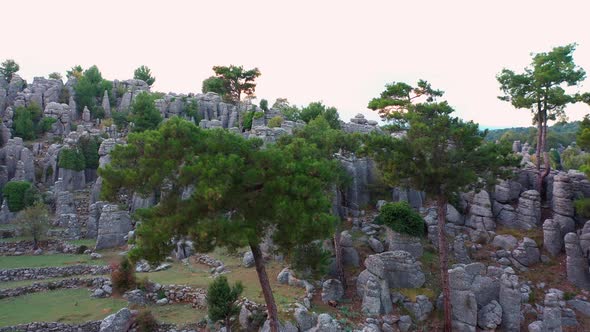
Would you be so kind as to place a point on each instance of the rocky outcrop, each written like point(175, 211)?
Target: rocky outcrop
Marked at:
point(118, 322)
point(113, 226)
point(463, 301)
point(552, 237)
point(490, 316)
point(510, 299)
point(361, 171)
point(390, 269)
point(480, 216)
point(507, 191)
point(562, 203)
point(398, 241)
point(332, 291)
point(526, 254)
point(62, 114)
point(576, 263)
point(529, 210)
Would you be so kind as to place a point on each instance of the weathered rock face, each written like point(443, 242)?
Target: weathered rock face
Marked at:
point(94, 212)
point(490, 316)
point(332, 290)
point(562, 203)
point(413, 197)
point(113, 225)
point(552, 238)
point(62, 113)
point(552, 313)
point(397, 241)
point(64, 204)
point(576, 263)
point(18, 160)
point(507, 191)
point(72, 179)
point(118, 322)
point(463, 301)
point(106, 104)
point(390, 269)
point(526, 253)
point(529, 210)
point(398, 268)
point(460, 251)
point(362, 174)
point(420, 309)
point(480, 216)
point(510, 299)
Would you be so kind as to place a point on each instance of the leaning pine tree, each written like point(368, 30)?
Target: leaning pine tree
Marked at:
point(435, 153)
point(220, 189)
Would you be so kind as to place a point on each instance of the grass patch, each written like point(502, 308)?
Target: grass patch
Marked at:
point(16, 239)
point(90, 243)
point(536, 234)
point(412, 293)
point(13, 262)
point(67, 306)
point(177, 313)
point(197, 275)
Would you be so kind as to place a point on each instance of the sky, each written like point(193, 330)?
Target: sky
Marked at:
point(339, 52)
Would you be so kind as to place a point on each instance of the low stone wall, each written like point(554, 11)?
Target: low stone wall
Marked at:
point(26, 247)
point(45, 286)
point(181, 294)
point(40, 273)
point(207, 260)
point(52, 327)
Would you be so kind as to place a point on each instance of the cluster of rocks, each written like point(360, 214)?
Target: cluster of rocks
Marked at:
point(25, 247)
point(287, 277)
point(51, 272)
point(310, 321)
point(385, 271)
point(167, 294)
point(93, 326)
point(60, 284)
point(521, 254)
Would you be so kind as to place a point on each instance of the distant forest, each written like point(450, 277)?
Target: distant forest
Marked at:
point(560, 134)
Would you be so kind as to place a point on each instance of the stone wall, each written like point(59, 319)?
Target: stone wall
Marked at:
point(52, 272)
point(45, 286)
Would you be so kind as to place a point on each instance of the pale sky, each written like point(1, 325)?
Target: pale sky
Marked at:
point(341, 52)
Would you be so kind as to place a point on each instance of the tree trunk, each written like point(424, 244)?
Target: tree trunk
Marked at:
point(338, 257)
point(271, 306)
point(541, 175)
point(227, 324)
point(35, 243)
point(539, 141)
point(443, 257)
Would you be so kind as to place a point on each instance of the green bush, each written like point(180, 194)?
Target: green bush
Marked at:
point(71, 159)
point(121, 119)
point(401, 218)
point(15, 194)
point(45, 124)
point(144, 114)
point(23, 124)
point(310, 260)
point(247, 124)
point(264, 104)
point(258, 115)
point(276, 121)
point(583, 207)
point(89, 149)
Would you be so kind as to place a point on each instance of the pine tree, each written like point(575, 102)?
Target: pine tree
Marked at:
point(221, 300)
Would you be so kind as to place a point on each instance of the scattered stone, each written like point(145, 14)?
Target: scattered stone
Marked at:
point(332, 290)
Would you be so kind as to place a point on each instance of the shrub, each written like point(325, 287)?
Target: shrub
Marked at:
point(23, 124)
point(276, 121)
point(221, 300)
point(81, 249)
point(247, 124)
point(146, 322)
point(14, 192)
point(45, 124)
point(144, 114)
point(89, 88)
point(121, 119)
point(8, 68)
point(258, 115)
point(401, 218)
point(89, 149)
point(34, 221)
point(71, 159)
point(310, 259)
point(123, 276)
point(264, 104)
point(583, 207)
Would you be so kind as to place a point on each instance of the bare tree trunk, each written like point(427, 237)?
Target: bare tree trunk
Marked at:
point(271, 306)
point(545, 158)
point(227, 325)
point(443, 257)
point(338, 257)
